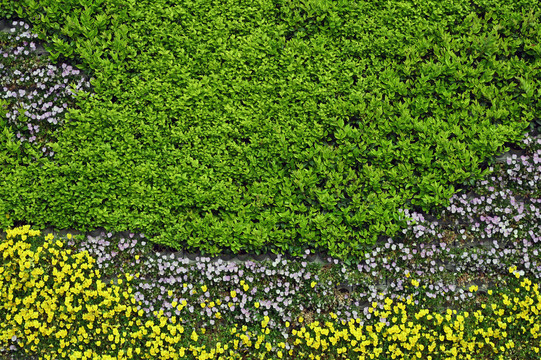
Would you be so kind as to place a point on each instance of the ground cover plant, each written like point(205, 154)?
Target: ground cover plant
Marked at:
point(472, 260)
point(276, 126)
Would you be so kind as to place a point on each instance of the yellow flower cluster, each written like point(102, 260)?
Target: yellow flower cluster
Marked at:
point(424, 335)
point(54, 304)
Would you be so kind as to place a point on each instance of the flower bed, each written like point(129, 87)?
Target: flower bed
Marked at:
point(55, 305)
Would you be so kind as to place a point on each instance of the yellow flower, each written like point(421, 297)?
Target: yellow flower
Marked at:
point(233, 294)
point(256, 305)
point(204, 288)
point(265, 322)
point(313, 284)
point(415, 283)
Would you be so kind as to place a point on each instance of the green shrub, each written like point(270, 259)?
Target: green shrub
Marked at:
point(276, 127)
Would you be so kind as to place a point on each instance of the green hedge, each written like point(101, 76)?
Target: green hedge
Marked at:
point(277, 125)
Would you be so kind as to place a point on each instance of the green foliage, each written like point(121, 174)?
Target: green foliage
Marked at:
point(277, 126)
point(83, 31)
point(3, 113)
point(8, 9)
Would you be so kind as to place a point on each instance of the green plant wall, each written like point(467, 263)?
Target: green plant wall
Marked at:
point(276, 125)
